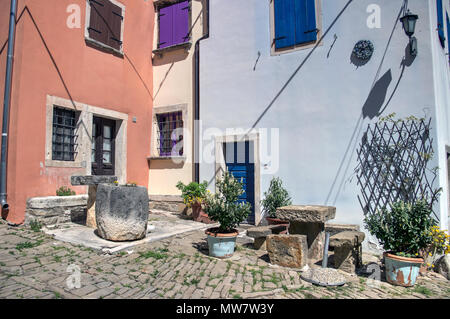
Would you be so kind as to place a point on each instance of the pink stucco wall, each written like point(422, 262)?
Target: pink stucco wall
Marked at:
point(92, 76)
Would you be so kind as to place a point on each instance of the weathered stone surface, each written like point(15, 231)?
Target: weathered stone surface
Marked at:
point(121, 212)
point(90, 216)
point(315, 235)
point(287, 250)
point(306, 213)
point(347, 250)
point(56, 201)
point(258, 232)
point(92, 180)
point(333, 229)
point(308, 220)
point(53, 210)
point(443, 266)
point(347, 238)
point(170, 203)
point(260, 243)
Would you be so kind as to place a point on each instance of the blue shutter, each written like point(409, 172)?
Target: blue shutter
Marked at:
point(440, 20)
point(305, 21)
point(284, 23)
point(448, 35)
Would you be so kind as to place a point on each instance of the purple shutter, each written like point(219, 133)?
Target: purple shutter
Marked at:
point(165, 27)
point(181, 22)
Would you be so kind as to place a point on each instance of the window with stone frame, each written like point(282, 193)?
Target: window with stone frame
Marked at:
point(64, 134)
point(170, 134)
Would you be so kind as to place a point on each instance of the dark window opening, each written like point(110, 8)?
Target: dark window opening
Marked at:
point(63, 139)
point(103, 146)
point(170, 135)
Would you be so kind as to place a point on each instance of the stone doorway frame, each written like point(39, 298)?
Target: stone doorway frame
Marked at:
point(220, 165)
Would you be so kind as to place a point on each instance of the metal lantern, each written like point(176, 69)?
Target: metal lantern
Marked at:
point(409, 23)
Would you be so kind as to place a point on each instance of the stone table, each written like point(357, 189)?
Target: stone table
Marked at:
point(92, 181)
point(308, 220)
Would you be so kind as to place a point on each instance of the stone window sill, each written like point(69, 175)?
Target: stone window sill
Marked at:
point(103, 47)
point(177, 158)
point(65, 164)
point(185, 45)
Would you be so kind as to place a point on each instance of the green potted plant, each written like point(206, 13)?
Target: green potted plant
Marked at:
point(223, 207)
point(194, 195)
point(404, 232)
point(276, 196)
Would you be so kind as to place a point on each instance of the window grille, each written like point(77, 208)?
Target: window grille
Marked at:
point(63, 139)
point(170, 136)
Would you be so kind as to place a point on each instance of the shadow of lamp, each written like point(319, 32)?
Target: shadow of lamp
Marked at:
point(409, 25)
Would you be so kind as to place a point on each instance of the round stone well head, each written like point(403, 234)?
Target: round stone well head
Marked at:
point(121, 212)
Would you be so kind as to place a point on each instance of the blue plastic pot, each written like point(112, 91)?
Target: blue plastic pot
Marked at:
point(402, 271)
point(221, 245)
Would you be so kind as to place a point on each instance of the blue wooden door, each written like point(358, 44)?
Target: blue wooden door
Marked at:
point(239, 162)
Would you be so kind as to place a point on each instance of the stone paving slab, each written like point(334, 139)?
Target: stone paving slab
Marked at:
point(173, 267)
point(161, 225)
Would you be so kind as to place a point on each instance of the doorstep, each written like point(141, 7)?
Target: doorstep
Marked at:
point(160, 226)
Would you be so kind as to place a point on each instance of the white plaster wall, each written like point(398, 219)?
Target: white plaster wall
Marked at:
point(441, 77)
point(318, 110)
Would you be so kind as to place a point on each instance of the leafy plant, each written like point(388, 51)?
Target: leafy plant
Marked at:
point(405, 229)
point(35, 225)
point(223, 206)
point(193, 193)
point(275, 197)
point(64, 191)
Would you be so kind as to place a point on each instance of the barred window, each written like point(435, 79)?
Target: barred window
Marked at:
point(170, 135)
point(63, 139)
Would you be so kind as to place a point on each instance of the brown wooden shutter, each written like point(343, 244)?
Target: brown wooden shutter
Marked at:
point(98, 29)
point(115, 26)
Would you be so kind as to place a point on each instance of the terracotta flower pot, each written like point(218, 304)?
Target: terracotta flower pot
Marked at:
point(221, 245)
point(199, 215)
point(401, 271)
point(276, 221)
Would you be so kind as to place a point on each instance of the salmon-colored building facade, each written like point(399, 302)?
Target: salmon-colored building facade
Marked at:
point(68, 86)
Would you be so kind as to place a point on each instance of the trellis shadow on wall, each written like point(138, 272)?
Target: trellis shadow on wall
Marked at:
point(392, 164)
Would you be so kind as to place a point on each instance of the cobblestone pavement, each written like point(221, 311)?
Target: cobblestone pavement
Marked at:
point(34, 265)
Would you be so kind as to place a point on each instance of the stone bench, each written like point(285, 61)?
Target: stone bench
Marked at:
point(347, 250)
point(308, 220)
point(92, 181)
point(54, 210)
point(260, 234)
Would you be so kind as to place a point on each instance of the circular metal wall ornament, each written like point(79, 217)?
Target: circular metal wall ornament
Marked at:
point(363, 50)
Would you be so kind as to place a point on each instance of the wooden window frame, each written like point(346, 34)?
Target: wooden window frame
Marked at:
point(303, 46)
point(100, 45)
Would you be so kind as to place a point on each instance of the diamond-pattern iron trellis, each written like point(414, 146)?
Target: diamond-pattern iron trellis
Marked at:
point(392, 164)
